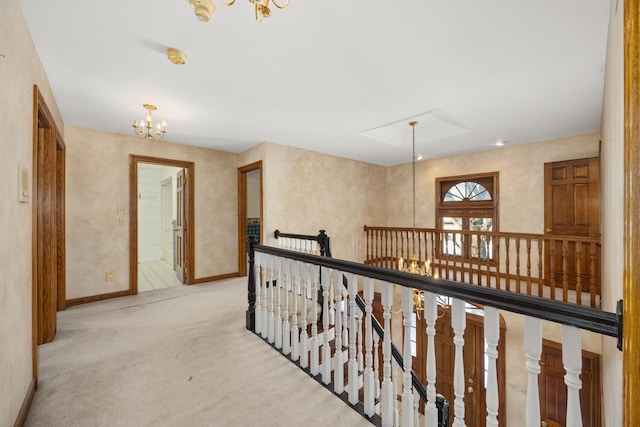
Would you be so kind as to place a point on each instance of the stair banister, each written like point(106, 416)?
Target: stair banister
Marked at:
point(573, 317)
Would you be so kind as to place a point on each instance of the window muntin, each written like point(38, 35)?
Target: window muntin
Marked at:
point(467, 203)
point(467, 190)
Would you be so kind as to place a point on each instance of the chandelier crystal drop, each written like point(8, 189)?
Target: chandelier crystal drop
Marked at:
point(146, 129)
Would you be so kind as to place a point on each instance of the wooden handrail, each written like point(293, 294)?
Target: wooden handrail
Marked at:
point(564, 267)
point(587, 318)
point(554, 237)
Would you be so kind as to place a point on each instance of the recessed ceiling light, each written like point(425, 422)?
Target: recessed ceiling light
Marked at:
point(501, 142)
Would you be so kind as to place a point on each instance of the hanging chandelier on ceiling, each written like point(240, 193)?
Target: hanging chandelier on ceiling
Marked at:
point(146, 129)
point(414, 265)
point(205, 8)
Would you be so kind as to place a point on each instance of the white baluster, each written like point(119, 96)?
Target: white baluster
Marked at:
point(533, 349)
point(258, 279)
point(345, 315)
point(407, 394)
point(265, 292)
point(353, 363)
point(272, 319)
point(286, 326)
point(369, 386)
point(360, 340)
point(313, 343)
point(458, 322)
point(304, 336)
point(278, 290)
point(338, 375)
point(572, 361)
point(326, 350)
point(430, 316)
point(416, 406)
point(396, 410)
point(332, 300)
point(492, 336)
point(376, 364)
point(295, 329)
point(388, 389)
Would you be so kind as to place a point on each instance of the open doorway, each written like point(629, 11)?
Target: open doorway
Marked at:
point(157, 226)
point(249, 209)
point(161, 223)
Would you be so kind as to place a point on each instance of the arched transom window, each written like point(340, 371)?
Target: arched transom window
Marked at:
point(467, 208)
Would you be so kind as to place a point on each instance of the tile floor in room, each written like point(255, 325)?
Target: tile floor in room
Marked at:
point(156, 275)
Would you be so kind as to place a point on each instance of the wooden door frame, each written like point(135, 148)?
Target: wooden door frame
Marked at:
point(61, 255)
point(134, 159)
point(631, 277)
point(242, 213)
point(48, 206)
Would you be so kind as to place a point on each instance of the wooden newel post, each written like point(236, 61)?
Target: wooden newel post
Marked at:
point(323, 241)
point(251, 287)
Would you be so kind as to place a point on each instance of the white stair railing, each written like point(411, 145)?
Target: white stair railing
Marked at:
point(369, 384)
point(492, 336)
point(431, 314)
point(572, 361)
point(533, 349)
point(388, 390)
point(355, 343)
point(458, 323)
point(407, 393)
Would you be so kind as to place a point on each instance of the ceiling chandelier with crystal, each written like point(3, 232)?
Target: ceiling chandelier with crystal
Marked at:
point(146, 129)
point(414, 265)
point(205, 8)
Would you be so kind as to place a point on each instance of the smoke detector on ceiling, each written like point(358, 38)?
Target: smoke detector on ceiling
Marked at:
point(203, 9)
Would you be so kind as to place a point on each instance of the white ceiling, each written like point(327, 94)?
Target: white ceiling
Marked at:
point(319, 73)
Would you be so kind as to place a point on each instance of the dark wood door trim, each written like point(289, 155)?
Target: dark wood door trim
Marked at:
point(133, 215)
point(47, 204)
point(60, 223)
point(631, 309)
point(242, 213)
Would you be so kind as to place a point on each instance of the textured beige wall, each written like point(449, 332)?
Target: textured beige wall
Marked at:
point(98, 182)
point(20, 68)
point(613, 209)
point(521, 182)
point(307, 191)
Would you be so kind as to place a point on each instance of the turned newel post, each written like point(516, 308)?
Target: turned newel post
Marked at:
point(251, 287)
point(323, 241)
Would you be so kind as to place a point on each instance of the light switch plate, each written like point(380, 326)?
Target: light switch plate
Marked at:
point(23, 184)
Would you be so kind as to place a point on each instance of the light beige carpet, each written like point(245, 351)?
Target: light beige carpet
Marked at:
point(174, 357)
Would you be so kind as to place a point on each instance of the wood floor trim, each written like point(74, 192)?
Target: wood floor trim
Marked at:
point(26, 404)
point(94, 298)
point(216, 278)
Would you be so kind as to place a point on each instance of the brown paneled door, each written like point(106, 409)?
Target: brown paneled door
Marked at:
point(474, 368)
point(553, 390)
point(181, 226)
point(572, 208)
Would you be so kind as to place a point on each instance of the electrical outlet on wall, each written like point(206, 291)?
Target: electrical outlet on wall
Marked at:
point(111, 276)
